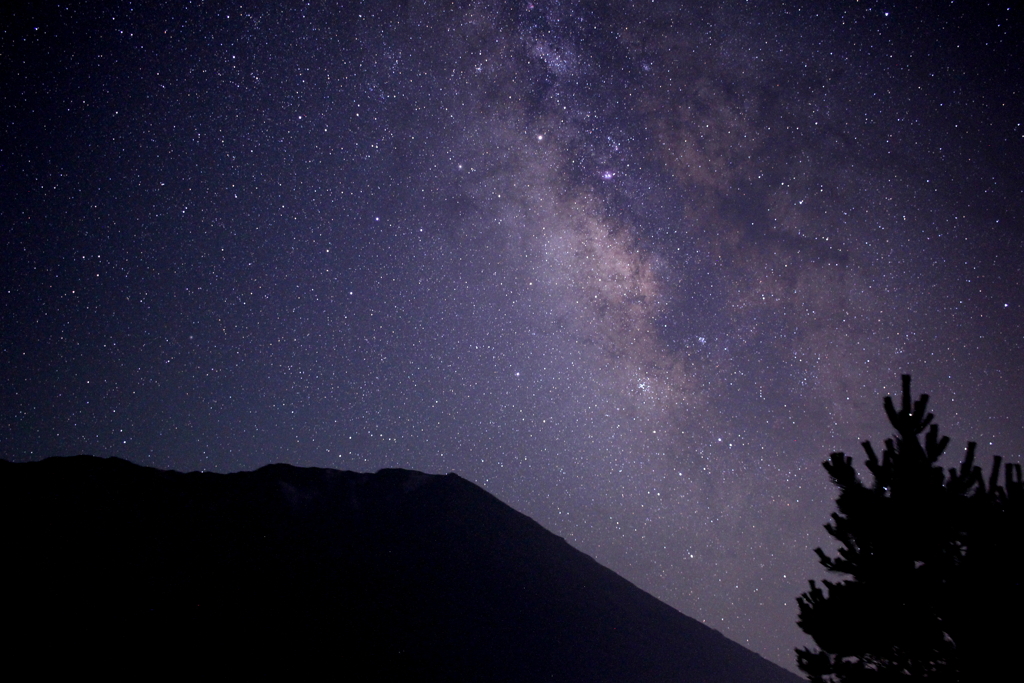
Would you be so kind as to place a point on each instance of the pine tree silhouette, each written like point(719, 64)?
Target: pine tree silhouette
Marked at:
point(920, 549)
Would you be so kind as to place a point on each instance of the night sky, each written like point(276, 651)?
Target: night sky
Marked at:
point(635, 268)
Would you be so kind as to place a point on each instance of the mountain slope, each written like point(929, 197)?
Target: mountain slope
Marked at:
point(396, 575)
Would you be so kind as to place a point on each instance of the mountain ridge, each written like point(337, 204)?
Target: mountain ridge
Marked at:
point(400, 572)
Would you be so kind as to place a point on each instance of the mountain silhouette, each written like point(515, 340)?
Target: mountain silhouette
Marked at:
point(397, 575)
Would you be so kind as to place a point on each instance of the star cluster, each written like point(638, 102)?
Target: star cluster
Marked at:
point(634, 267)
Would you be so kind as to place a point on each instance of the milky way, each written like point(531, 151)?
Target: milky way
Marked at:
point(635, 268)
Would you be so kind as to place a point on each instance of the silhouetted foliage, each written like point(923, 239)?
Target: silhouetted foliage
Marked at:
point(931, 559)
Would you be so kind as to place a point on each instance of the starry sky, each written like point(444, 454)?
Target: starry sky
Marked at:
point(635, 268)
